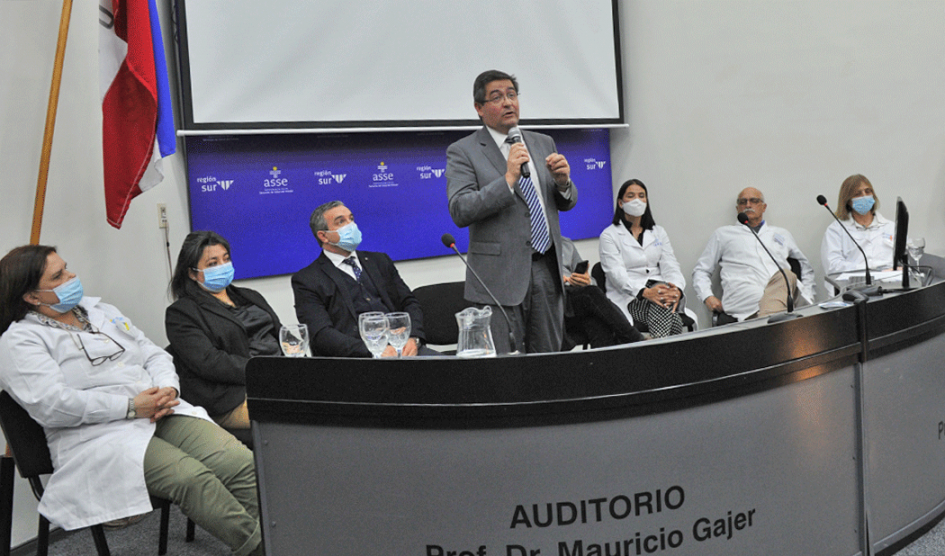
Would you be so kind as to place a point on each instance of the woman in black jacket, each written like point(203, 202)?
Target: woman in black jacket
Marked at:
point(214, 328)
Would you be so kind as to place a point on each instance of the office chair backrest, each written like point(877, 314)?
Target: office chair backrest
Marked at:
point(26, 438)
point(597, 273)
point(795, 266)
point(440, 303)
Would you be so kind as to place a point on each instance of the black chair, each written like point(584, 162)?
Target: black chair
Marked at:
point(31, 454)
point(440, 303)
point(597, 273)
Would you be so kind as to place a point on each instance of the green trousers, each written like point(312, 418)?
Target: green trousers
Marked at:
point(210, 475)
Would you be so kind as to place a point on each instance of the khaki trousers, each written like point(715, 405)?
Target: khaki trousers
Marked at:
point(774, 299)
point(210, 475)
point(238, 418)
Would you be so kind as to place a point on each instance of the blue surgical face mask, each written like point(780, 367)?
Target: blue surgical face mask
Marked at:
point(69, 293)
point(349, 237)
point(217, 278)
point(863, 205)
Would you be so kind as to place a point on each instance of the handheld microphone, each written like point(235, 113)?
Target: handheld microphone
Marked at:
point(450, 243)
point(515, 134)
point(790, 314)
point(821, 200)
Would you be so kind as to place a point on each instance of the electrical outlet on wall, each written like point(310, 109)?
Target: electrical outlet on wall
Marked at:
point(162, 215)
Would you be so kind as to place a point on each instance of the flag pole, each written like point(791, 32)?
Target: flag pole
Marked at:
point(40, 202)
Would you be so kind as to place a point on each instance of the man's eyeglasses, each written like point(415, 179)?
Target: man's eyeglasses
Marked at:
point(96, 361)
point(497, 99)
point(752, 200)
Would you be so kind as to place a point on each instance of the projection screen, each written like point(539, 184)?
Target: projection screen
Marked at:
point(309, 64)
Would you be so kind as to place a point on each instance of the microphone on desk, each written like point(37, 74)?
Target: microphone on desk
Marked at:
point(515, 136)
point(450, 243)
point(790, 314)
point(821, 200)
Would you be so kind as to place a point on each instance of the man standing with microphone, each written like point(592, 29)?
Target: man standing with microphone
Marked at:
point(752, 283)
point(507, 187)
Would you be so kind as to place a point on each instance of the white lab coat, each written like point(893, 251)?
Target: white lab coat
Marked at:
point(746, 268)
point(628, 265)
point(839, 254)
point(97, 454)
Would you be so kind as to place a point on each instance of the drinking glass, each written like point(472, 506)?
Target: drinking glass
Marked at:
point(294, 340)
point(916, 248)
point(399, 326)
point(373, 329)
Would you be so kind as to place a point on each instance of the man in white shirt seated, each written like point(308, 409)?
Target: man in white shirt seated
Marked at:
point(752, 285)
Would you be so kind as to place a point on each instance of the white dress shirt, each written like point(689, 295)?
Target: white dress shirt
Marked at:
point(339, 262)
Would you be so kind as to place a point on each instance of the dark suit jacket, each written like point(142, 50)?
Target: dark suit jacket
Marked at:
point(323, 302)
point(499, 225)
point(211, 347)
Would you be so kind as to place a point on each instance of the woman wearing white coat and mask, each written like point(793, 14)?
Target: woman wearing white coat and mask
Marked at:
point(640, 267)
point(857, 210)
point(106, 397)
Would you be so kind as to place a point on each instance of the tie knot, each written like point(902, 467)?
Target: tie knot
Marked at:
point(354, 266)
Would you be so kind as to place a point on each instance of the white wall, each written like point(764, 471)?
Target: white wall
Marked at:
point(787, 96)
point(790, 97)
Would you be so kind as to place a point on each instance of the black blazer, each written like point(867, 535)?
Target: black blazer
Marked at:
point(211, 347)
point(323, 302)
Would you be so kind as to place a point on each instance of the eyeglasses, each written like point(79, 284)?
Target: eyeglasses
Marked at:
point(753, 200)
point(96, 361)
point(512, 96)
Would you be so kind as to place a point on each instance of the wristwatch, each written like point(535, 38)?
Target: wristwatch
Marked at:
point(132, 413)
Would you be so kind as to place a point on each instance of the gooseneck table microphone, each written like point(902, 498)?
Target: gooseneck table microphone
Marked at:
point(790, 314)
point(878, 290)
point(449, 242)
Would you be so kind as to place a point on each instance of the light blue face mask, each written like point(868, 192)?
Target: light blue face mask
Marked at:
point(349, 237)
point(863, 205)
point(217, 278)
point(69, 293)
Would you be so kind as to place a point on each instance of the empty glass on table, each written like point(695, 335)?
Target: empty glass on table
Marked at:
point(294, 340)
point(398, 325)
point(374, 332)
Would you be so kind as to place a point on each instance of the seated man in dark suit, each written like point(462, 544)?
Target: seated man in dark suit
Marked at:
point(342, 283)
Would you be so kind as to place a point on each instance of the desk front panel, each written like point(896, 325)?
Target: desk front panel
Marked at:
point(769, 473)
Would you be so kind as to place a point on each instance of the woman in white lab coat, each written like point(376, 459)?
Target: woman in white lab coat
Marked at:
point(642, 274)
point(107, 398)
point(857, 209)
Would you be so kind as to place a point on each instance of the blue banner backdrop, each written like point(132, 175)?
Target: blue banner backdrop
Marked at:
point(258, 192)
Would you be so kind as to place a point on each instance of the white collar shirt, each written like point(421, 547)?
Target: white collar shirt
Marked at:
point(339, 262)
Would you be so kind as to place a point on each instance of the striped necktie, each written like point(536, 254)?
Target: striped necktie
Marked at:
point(541, 239)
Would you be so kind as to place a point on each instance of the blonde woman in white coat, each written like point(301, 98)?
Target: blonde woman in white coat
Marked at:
point(635, 251)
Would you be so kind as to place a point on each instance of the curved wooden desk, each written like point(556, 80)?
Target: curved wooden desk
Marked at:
point(824, 435)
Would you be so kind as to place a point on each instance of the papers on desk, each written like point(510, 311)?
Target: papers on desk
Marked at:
point(855, 278)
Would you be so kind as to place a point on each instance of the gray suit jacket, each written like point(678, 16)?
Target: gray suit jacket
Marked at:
point(499, 227)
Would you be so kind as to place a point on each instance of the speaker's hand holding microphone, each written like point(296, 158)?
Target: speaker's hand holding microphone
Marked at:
point(517, 165)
